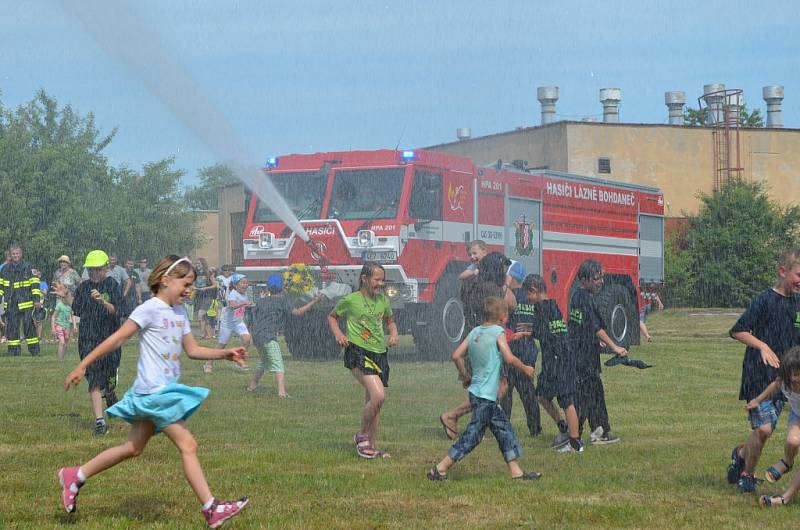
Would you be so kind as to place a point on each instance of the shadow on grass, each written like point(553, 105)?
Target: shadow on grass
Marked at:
point(146, 509)
point(64, 519)
point(707, 481)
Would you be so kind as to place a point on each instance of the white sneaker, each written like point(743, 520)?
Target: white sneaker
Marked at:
point(569, 449)
point(596, 435)
point(560, 440)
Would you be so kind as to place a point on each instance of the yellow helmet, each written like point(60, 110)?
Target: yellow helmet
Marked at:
point(96, 258)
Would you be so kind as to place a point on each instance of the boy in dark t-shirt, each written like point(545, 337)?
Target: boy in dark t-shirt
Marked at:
point(268, 317)
point(586, 330)
point(524, 348)
point(769, 327)
point(98, 302)
point(557, 378)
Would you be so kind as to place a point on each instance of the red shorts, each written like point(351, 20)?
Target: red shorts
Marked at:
point(62, 333)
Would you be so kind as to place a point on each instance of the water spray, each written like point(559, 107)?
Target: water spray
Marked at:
point(139, 50)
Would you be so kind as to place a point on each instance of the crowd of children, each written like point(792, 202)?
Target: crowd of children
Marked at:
point(507, 311)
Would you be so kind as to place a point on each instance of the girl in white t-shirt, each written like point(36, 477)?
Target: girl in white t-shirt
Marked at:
point(232, 322)
point(157, 402)
point(787, 383)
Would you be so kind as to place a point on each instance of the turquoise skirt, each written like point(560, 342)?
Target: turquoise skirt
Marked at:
point(173, 403)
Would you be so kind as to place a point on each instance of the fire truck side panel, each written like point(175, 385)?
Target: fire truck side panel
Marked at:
point(523, 224)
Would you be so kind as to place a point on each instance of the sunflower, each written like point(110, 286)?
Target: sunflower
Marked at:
point(298, 279)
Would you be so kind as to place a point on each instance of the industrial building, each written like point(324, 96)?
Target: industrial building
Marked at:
point(680, 159)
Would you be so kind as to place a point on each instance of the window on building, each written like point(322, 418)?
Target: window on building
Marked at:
point(604, 165)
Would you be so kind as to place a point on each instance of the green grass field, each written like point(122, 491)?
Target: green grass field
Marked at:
point(295, 458)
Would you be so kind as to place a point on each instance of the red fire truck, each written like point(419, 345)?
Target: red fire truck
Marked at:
point(413, 211)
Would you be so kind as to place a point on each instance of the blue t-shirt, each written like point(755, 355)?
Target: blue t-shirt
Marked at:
point(486, 360)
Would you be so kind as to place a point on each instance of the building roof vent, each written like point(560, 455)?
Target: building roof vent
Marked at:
point(610, 98)
point(463, 133)
point(675, 100)
point(714, 96)
point(547, 96)
point(773, 95)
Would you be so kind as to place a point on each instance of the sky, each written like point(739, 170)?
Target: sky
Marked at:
point(307, 76)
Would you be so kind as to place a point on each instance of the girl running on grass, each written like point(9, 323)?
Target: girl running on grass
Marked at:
point(157, 402)
point(233, 317)
point(787, 382)
point(366, 310)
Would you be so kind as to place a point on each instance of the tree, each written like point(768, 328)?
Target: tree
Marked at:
point(204, 196)
point(700, 117)
point(733, 244)
point(679, 284)
point(58, 194)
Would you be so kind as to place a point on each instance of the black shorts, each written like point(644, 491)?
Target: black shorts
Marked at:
point(557, 380)
point(370, 363)
point(103, 369)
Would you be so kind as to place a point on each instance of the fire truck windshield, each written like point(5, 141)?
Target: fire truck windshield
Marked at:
point(366, 193)
point(302, 191)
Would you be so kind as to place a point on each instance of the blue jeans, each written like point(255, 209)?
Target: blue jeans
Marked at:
point(485, 414)
point(767, 412)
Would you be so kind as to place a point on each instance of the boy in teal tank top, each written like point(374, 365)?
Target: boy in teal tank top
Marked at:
point(487, 349)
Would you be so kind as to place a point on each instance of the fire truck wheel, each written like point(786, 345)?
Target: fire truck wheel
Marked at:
point(445, 323)
point(619, 314)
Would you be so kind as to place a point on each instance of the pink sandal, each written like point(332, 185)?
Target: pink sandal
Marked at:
point(364, 447)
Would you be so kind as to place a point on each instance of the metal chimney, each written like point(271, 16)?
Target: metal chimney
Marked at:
point(734, 105)
point(675, 101)
point(547, 96)
point(773, 95)
point(610, 98)
point(464, 133)
point(715, 102)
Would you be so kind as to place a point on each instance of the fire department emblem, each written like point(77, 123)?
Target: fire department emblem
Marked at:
point(455, 196)
point(523, 232)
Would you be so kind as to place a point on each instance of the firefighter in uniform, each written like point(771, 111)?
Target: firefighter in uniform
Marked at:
point(20, 291)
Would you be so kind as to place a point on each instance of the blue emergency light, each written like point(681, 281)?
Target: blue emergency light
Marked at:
point(408, 155)
point(272, 161)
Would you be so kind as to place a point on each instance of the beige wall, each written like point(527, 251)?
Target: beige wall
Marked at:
point(209, 228)
point(676, 159)
point(540, 146)
point(231, 201)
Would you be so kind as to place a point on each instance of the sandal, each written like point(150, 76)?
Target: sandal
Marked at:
point(435, 475)
point(450, 432)
point(364, 447)
point(530, 475)
point(765, 501)
point(773, 475)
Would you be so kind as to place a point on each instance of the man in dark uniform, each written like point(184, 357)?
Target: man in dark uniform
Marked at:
point(19, 288)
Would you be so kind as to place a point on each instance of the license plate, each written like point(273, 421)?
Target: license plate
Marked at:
point(379, 255)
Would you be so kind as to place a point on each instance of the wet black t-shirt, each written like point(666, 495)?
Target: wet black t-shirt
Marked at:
point(524, 348)
point(551, 330)
point(269, 316)
point(775, 320)
point(97, 324)
point(584, 323)
point(474, 292)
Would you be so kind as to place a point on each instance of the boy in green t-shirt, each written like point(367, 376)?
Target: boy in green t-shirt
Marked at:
point(366, 311)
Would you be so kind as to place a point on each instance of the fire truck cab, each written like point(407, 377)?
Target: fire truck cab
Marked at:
point(413, 212)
